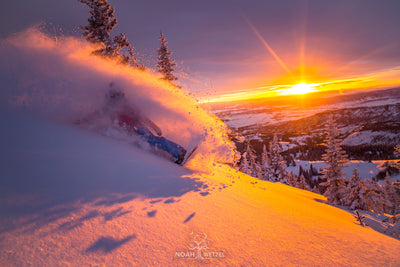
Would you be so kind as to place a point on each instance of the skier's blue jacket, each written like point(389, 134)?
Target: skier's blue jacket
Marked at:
point(135, 123)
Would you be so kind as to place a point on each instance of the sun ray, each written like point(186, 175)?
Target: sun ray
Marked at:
point(269, 48)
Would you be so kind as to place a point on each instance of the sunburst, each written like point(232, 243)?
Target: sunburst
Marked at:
point(299, 89)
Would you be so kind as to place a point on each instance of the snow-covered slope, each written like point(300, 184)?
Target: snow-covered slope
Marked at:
point(371, 137)
point(72, 198)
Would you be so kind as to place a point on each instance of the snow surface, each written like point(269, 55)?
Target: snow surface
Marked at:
point(286, 145)
point(301, 140)
point(72, 197)
point(370, 137)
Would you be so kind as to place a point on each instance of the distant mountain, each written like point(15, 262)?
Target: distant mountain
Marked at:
point(376, 118)
point(255, 114)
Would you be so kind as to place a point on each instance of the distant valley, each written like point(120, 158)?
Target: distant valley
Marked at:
point(369, 123)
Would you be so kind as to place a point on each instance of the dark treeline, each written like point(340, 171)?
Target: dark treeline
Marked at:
point(313, 150)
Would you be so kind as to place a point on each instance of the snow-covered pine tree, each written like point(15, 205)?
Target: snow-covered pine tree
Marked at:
point(244, 164)
point(120, 42)
point(355, 194)
point(292, 180)
point(392, 197)
point(266, 165)
point(98, 31)
point(165, 62)
point(336, 160)
point(101, 22)
point(397, 153)
point(375, 196)
point(249, 163)
point(334, 156)
point(313, 171)
point(335, 191)
point(302, 183)
point(279, 172)
point(297, 181)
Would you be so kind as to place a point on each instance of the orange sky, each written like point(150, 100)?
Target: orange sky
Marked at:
point(379, 80)
point(323, 61)
point(321, 72)
point(247, 48)
point(318, 71)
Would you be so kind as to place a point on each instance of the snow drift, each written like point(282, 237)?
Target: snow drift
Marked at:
point(61, 79)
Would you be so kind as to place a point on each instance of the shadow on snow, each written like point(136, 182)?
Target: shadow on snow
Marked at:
point(49, 171)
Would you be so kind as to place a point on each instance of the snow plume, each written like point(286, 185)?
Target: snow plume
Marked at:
point(60, 78)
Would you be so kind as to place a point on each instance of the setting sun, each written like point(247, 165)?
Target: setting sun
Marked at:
point(300, 89)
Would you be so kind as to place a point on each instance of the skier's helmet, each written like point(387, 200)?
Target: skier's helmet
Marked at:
point(115, 95)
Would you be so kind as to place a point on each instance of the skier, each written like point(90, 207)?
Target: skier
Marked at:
point(134, 122)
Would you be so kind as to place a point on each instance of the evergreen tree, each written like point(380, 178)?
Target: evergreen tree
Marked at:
point(392, 197)
point(115, 50)
point(313, 171)
point(244, 164)
point(301, 171)
point(355, 196)
point(266, 165)
point(292, 180)
point(364, 194)
point(302, 183)
point(98, 31)
point(375, 196)
point(278, 166)
point(397, 153)
point(336, 160)
point(101, 22)
point(335, 191)
point(165, 62)
point(334, 156)
point(249, 164)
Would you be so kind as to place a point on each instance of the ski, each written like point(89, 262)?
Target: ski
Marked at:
point(189, 155)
